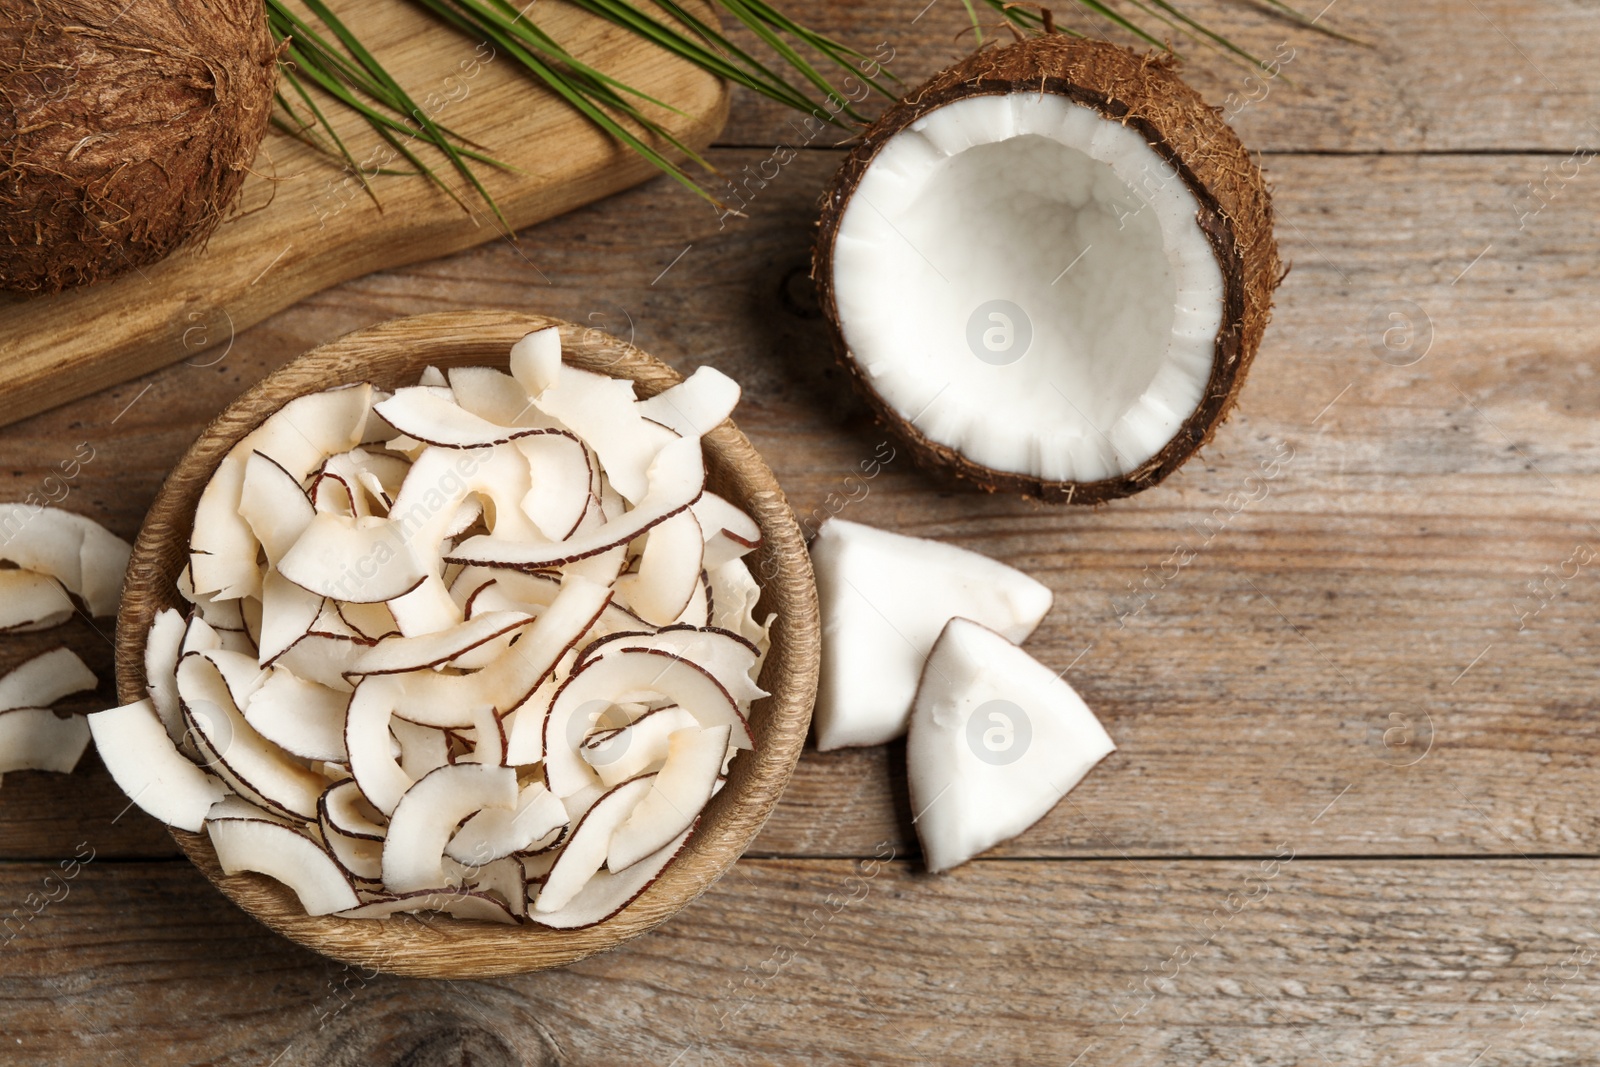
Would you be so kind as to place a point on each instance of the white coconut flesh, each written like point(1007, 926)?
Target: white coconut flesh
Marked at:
point(1026, 282)
point(429, 632)
point(996, 740)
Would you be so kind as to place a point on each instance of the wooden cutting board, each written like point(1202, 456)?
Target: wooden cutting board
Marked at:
point(305, 223)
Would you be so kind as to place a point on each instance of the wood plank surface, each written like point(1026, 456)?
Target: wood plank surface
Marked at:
point(1287, 962)
point(1394, 547)
point(1349, 663)
point(1432, 76)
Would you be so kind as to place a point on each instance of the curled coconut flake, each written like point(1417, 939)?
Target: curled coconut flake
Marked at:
point(429, 813)
point(30, 601)
point(79, 553)
point(134, 745)
point(287, 856)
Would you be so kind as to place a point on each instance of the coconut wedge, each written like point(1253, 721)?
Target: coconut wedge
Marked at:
point(31, 601)
point(145, 763)
point(79, 553)
point(677, 794)
point(885, 599)
point(996, 740)
point(286, 855)
point(427, 816)
point(1049, 269)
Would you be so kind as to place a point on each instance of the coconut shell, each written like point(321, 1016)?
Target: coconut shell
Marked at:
point(126, 130)
point(1142, 91)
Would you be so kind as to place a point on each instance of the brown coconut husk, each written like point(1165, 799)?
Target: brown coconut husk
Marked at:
point(1143, 92)
point(126, 129)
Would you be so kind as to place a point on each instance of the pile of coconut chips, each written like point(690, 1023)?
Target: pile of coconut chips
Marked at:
point(484, 645)
point(51, 561)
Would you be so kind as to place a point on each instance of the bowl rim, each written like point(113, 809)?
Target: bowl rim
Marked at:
point(393, 353)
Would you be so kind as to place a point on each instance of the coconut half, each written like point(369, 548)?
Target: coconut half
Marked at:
point(1049, 268)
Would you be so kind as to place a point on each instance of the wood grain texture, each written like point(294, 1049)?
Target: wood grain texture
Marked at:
point(1397, 543)
point(1142, 964)
point(304, 222)
point(1436, 913)
point(1429, 75)
point(394, 354)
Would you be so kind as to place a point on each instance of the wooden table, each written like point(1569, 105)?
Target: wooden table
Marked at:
point(1352, 819)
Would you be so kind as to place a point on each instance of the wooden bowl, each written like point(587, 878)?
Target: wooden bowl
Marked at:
point(394, 354)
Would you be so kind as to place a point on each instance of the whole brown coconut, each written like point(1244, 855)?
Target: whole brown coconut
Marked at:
point(126, 129)
point(1138, 315)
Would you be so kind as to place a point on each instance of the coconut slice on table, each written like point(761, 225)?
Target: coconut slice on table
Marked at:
point(885, 597)
point(145, 763)
point(37, 739)
point(996, 740)
point(286, 855)
point(1049, 269)
point(82, 555)
point(45, 679)
point(32, 737)
point(30, 601)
